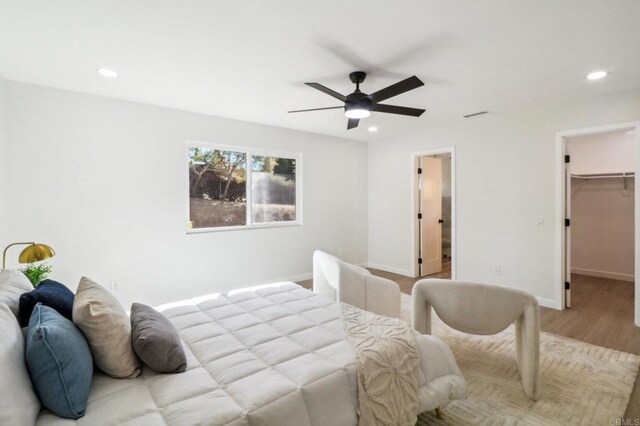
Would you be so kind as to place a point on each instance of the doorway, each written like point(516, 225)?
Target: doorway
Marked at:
point(599, 232)
point(434, 214)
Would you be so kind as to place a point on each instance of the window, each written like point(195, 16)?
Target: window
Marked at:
point(233, 188)
point(273, 189)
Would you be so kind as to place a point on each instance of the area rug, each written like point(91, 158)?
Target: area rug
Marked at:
point(581, 384)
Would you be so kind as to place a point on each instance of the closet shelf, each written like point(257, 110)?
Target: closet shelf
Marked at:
point(605, 175)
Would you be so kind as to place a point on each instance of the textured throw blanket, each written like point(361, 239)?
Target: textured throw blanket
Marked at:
point(388, 364)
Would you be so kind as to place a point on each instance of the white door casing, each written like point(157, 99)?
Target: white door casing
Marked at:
point(567, 243)
point(563, 210)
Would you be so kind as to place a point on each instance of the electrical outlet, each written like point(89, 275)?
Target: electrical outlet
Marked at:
point(497, 269)
point(114, 286)
point(540, 221)
point(340, 253)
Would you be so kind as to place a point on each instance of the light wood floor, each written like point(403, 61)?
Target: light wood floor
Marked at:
point(601, 314)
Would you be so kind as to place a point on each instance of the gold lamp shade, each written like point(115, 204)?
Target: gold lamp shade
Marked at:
point(35, 252)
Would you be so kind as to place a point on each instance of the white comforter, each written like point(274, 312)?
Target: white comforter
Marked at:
point(270, 355)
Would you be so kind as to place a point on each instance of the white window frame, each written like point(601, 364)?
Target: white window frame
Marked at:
point(249, 152)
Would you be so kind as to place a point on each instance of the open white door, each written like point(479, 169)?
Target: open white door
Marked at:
point(430, 216)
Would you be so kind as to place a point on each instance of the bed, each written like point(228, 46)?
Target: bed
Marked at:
point(268, 355)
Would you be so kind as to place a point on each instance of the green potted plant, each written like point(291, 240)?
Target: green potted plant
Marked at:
point(36, 272)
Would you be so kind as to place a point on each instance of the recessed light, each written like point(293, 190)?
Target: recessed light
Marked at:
point(373, 129)
point(108, 73)
point(597, 75)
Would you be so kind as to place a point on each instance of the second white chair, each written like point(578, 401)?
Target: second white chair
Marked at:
point(344, 282)
point(484, 309)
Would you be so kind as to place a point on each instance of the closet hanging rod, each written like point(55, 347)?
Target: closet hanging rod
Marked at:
point(605, 175)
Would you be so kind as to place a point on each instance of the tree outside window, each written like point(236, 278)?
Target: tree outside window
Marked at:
point(218, 183)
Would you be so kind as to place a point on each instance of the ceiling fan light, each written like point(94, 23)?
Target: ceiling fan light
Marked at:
point(357, 112)
point(597, 75)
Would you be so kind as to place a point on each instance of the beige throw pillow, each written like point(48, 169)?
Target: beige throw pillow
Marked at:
point(107, 328)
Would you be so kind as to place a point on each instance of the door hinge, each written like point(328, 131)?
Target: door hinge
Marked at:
point(567, 159)
point(567, 222)
point(567, 285)
point(419, 215)
point(419, 170)
point(419, 261)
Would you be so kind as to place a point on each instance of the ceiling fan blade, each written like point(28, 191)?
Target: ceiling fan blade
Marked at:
point(397, 89)
point(328, 91)
point(393, 109)
point(352, 123)
point(315, 109)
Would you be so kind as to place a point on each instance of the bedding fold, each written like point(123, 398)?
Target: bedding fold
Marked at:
point(388, 365)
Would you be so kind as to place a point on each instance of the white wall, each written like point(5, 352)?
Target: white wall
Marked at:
point(602, 153)
point(104, 182)
point(602, 228)
point(4, 172)
point(505, 177)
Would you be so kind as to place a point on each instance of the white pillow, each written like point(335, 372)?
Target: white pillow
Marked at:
point(13, 284)
point(19, 405)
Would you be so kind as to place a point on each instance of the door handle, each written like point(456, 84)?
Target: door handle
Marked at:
point(440, 221)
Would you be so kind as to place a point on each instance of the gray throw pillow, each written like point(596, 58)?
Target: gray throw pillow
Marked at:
point(156, 340)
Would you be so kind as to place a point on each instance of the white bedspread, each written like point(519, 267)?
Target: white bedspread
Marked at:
point(272, 355)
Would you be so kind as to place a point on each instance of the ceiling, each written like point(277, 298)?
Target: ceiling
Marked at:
point(248, 59)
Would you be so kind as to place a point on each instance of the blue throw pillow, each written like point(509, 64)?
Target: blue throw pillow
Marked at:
point(59, 362)
point(50, 293)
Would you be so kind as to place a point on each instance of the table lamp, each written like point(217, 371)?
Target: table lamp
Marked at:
point(34, 253)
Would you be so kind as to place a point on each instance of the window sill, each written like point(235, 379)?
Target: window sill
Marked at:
point(243, 227)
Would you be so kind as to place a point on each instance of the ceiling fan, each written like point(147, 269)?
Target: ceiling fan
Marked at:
point(359, 105)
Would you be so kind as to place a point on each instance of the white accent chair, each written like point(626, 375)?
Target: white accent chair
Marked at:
point(344, 282)
point(484, 309)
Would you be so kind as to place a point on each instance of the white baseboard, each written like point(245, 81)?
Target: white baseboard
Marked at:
point(309, 275)
point(392, 269)
point(292, 278)
point(603, 274)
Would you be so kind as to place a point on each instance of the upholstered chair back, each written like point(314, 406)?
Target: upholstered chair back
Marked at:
point(473, 308)
point(484, 309)
point(352, 284)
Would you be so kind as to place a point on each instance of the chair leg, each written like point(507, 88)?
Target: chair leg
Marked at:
point(528, 351)
point(439, 413)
